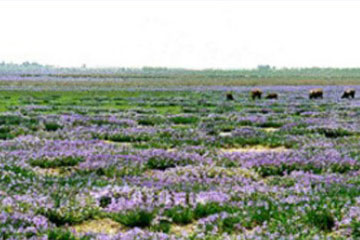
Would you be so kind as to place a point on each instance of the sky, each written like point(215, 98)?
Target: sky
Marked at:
point(186, 34)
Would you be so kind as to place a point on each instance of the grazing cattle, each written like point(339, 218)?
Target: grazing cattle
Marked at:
point(229, 97)
point(349, 93)
point(256, 93)
point(272, 96)
point(316, 93)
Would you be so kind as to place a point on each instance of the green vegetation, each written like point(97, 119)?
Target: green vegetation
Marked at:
point(57, 162)
point(134, 218)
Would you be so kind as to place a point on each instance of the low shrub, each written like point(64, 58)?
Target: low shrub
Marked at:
point(69, 161)
point(135, 218)
point(52, 126)
point(184, 120)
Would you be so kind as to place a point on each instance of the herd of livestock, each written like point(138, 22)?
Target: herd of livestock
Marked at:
point(313, 94)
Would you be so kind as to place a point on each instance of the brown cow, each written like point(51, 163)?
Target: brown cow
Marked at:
point(316, 93)
point(256, 93)
point(349, 93)
point(272, 96)
point(229, 96)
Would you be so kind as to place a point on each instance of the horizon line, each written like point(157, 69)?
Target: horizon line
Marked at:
point(85, 66)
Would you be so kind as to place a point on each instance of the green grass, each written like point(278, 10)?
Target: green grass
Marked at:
point(134, 218)
point(61, 234)
point(57, 162)
point(69, 217)
point(52, 126)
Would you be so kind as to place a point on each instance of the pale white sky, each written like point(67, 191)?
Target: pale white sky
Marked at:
point(190, 34)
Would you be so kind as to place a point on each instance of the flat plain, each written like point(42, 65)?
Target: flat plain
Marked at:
point(89, 157)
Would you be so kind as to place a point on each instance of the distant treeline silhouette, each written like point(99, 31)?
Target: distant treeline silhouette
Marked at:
point(33, 69)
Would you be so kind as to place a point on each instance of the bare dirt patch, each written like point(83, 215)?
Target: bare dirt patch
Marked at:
point(102, 226)
point(270, 129)
point(122, 144)
point(49, 171)
point(225, 134)
point(172, 150)
point(181, 230)
point(257, 148)
point(149, 173)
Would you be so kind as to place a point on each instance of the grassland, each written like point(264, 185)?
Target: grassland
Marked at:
point(48, 77)
point(113, 158)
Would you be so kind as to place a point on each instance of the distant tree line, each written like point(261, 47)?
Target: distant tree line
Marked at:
point(262, 71)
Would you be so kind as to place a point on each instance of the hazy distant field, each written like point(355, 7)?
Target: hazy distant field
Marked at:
point(46, 77)
point(176, 81)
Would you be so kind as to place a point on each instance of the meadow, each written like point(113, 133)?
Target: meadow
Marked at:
point(95, 159)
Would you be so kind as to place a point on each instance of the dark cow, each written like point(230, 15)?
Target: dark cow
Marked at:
point(349, 93)
point(256, 93)
point(316, 93)
point(229, 97)
point(272, 96)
